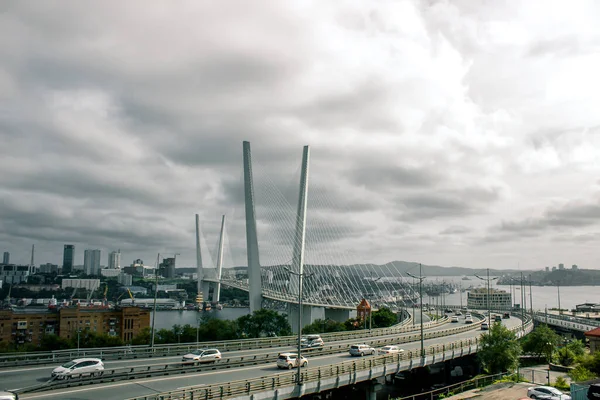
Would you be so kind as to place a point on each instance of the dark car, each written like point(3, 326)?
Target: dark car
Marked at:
point(594, 392)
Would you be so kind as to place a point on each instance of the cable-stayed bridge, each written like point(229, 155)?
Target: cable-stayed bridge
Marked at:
point(299, 247)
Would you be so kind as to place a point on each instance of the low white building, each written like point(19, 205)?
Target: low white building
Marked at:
point(15, 274)
point(499, 299)
point(89, 284)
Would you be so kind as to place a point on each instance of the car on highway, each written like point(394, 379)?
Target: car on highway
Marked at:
point(454, 319)
point(78, 366)
point(546, 393)
point(390, 350)
point(485, 326)
point(497, 318)
point(4, 395)
point(458, 313)
point(361, 350)
point(202, 356)
point(290, 360)
point(311, 341)
point(506, 315)
point(469, 320)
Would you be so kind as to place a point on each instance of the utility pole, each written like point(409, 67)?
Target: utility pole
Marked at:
point(530, 298)
point(488, 279)
point(420, 278)
point(558, 289)
point(155, 296)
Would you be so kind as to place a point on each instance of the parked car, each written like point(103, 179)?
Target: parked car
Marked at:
point(77, 367)
point(485, 326)
point(546, 393)
point(390, 350)
point(202, 356)
point(361, 350)
point(8, 396)
point(311, 341)
point(594, 392)
point(290, 360)
point(454, 319)
point(469, 320)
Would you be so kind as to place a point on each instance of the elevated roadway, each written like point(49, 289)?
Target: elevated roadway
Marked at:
point(140, 387)
point(21, 377)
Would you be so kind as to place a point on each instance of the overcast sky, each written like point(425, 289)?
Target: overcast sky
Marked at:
point(455, 133)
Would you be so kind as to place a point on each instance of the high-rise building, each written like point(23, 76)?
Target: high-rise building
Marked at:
point(68, 258)
point(167, 268)
point(91, 262)
point(6, 258)
point(114, 260)
point(561, 266)
point(574, 267)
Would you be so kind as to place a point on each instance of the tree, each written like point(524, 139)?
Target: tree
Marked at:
point(541, 342)
point(142, 338)
point(577, 347)
point(566, 356)
point(54, 342)
point(323, 326)
point(384, 317)
point(263, 323)
point(499, 350)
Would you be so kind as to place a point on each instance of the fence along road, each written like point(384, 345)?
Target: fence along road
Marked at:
point(131, 352)
point(39, 376)
point(315, 380)
point(160, 384)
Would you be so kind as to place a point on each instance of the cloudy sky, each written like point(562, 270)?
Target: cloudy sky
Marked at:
point(459, 133)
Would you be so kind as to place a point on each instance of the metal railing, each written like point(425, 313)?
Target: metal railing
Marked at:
point(169, 350)
point(391, 364)
point(541, 316)
point(457, 387)
point(146, 371)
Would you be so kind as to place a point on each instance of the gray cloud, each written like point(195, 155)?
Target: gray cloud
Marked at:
point(117, 127)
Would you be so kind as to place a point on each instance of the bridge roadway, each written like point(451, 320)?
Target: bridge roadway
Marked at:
point(15, 378)
point(148, 386)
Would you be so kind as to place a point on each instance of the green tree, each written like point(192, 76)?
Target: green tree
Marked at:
point(323, 326)
point(541, 342)
point(565, 356)
point(217, 329)
point(499, 350)
point(263, 323)
point(142, 338)
point(384, 317)
point(54, 342)
point(580, 374)
point(577, 347)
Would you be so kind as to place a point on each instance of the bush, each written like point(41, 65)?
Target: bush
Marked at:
point(565, 357)
point(561, 384)
point(580, 374)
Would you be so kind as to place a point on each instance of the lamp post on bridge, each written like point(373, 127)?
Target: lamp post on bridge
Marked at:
point(488, 279)
point(420, 278)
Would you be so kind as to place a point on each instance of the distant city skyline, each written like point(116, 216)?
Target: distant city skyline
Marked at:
point(451, 133)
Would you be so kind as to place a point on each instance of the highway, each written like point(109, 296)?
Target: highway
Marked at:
point(124, 389)
point(24, 377)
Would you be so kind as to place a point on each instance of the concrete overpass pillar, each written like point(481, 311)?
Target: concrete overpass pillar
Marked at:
point(371, 390)
point(309, 315)
point(337, 314)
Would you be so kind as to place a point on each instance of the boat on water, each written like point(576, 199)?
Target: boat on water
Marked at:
point(466, 278)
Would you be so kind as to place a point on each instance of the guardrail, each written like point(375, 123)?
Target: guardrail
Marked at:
point(581, 321)
point(146, 371)
point(341, 374)
point(168, 350)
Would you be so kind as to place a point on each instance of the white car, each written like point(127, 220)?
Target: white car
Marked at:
point(454, 319)
point(290, 360)
point(469, 321)
point(546, 393)
point(390, 350)
point(8, 396)
point(361, 350)
point(485, 326)
point(310, 341)
point(78, 367)
point(202, 356)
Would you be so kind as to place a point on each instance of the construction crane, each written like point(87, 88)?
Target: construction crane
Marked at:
point(131, 296)
point(104, 300)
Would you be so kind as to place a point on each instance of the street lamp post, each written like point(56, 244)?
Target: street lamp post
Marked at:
point(299, 358)
point(420, 278)
point(155, 297)
point(488, 279)
point(558, 291)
